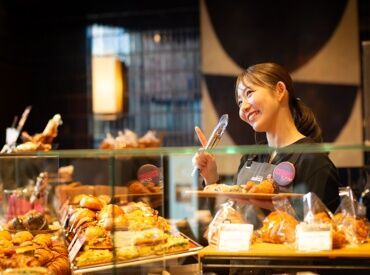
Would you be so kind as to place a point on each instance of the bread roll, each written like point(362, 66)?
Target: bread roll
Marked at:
point(5, 235)
point(119, 222)
point(80, 213)
point(91, 202)
point(43, 255)
point(110, 210)
point(22, 236)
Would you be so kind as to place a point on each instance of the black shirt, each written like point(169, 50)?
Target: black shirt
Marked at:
point(315, 173)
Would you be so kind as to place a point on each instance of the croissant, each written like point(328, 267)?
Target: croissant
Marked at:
point(24, 260)
point(278, 227)
point(59, 266)
point(22, 236)
point(354, 229)
point(43, 240)
point(43, 255)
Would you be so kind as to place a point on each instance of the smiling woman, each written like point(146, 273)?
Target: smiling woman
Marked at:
point(266, 99)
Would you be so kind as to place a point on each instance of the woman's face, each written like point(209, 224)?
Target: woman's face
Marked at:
point(258, 106)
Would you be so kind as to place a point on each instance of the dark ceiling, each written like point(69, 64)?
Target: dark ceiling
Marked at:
point(137, 14)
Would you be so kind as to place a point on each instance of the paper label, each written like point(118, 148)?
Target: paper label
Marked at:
point(75, 237)
point(76, 247)
point(235, 237)
point(317, 237)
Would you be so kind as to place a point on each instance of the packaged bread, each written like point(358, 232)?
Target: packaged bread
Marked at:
point(278, 227)
point(228, 213)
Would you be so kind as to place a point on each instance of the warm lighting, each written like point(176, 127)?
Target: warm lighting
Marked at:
point(157, 37)
point(107, 86)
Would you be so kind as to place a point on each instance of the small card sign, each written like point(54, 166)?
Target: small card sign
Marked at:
point(235, 237)
point(76, 247)
point(75, 237)
point(314, 237)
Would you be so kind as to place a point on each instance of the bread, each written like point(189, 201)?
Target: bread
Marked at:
point(355, 229)
point(278, 227)
point(267, 186)
point(76, 199)
point(59, 266)
point(80, 213)
point(222, 188)
point(91, 257)
point(5, 244)
point(105, 199)
point(175, 244)
point(43, 255)
point(119, 222)
point(24, 260)
point(15, 224)
point(5, 235)
point(93, 232)
point(127, 252)
point(22, 236)
point(43, 240)
point(91, 202)
point(137, 187)
point(150, 237)
point(34, 220)
point(110, 210)
point(59, 247)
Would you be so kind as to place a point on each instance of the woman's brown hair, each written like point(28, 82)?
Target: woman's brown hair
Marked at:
point(268, 75)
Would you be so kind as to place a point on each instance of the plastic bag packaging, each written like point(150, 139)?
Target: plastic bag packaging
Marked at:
point(316, 213)
point(355, 229)
point(228, 213)
point(279, 226)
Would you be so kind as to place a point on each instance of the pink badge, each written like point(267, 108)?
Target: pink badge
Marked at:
point(284, 173)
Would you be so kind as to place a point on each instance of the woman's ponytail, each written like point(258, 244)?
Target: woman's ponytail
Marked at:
point(305, 121)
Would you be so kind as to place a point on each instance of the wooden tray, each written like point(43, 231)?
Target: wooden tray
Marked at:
point(239, 195)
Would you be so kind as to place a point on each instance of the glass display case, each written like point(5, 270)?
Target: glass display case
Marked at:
point(142, 211)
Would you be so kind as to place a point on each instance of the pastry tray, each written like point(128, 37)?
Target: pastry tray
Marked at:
point(194, 247)
point(240, 195)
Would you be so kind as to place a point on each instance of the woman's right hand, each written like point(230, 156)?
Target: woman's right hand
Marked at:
point(207, 166)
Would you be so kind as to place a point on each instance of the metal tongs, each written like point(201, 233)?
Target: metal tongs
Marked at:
point(216, 135)
point(14, 133)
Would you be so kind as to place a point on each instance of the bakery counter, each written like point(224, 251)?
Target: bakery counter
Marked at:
point(279, 257)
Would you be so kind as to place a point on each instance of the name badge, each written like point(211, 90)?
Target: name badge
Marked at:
point(235, 237)
point(314, 237)
point(284, 173)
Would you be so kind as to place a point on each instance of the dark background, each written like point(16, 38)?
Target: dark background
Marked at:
point(45, 55)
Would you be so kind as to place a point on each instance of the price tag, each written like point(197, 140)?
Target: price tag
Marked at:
point(235, 237)
point(75, 237)
point(76, 247)
point(314, 237)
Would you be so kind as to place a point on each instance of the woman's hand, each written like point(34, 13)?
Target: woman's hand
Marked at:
point(207, 166)
point(205, 161)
